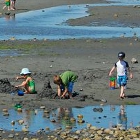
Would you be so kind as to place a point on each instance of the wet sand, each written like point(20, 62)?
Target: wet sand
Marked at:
point(91, 59)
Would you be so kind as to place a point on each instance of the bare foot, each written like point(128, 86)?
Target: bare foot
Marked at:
point(12, 9)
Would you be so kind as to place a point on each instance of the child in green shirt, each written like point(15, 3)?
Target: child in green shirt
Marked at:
point(65, 83)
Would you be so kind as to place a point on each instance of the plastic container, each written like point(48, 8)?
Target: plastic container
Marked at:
point(112, 83)
point(17, 106)
point(20, 93)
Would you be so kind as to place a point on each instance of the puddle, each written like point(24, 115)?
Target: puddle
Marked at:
point(50, 23)
point(10, 52)
point(100, 116)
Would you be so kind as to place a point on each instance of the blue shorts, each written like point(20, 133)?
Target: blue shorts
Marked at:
point(70, 87)
point(122, 80)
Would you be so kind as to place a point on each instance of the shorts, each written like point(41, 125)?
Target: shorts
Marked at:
point(122, 80)
point(70, 87)
point(7, 3)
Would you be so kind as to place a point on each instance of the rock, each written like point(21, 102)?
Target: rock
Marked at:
point(53, 120)
point(10, 136)
point(21, 122)
point(19, 109)
point(81, 121)
point(68, 127)
point(12, 122)
point(134, 60)
point(42, 107)
point(5, 114)
point(81, 89)
point(115, 15)
point(104, 100)
point(72, 119)
point(25, 139)
point(88, 126)
point(80, 116)
point(47, 129)
point(5, 110)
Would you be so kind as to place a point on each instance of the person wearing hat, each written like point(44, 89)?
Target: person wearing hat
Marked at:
point(28, 84)
point(122, 69)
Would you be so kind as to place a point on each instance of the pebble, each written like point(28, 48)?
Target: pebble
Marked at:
point(42, 107)
point(5, 110)
point(10, 136)
point(81, 89)
point(20, 122)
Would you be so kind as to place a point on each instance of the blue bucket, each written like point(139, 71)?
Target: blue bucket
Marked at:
point(20, 93)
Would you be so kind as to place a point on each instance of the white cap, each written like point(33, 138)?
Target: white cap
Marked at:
point(25, 71)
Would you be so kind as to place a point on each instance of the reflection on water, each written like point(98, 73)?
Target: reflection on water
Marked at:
point(52, 119)
point(50, 23)
point(122, 117)
point(9, 17)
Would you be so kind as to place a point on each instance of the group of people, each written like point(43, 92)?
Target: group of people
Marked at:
point(65, 81)
point(10, 4)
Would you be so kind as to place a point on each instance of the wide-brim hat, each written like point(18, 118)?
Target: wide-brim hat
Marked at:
point(25, 71)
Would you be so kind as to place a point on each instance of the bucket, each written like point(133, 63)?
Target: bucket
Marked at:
point(20, 93)
point(112, 83)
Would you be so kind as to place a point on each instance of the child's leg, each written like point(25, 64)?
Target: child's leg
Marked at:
point(123, 83)
point(25, 88)
point(12, 5)
point(8, 8)
point(70, 88)
point(4, 7)
point(122, 92)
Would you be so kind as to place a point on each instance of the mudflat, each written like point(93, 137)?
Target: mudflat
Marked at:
point(90, 59)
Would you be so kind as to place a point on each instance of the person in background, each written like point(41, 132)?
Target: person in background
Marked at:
point(28, 84)
point(7, 4)
point(13, 3)
point(65, 83)
point(122, 69)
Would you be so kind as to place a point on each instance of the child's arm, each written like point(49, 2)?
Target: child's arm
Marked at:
point(64, 93)
point(112, 70)
point(130, 73)
point(19, 77)
point(58, 90)
point(24, 83)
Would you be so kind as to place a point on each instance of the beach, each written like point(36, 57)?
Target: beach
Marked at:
point(91, 59)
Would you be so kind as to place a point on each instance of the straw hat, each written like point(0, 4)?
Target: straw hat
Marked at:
point(25, 71)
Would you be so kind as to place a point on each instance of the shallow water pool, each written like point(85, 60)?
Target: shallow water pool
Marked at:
point(50, 23)
point(100, 116)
